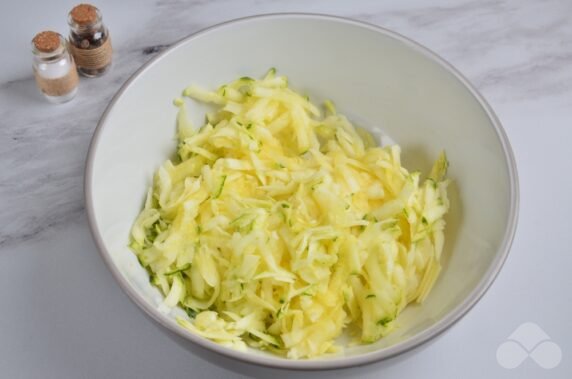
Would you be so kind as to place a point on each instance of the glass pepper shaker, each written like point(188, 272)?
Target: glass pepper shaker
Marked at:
point(54, 67)
point(89, 40)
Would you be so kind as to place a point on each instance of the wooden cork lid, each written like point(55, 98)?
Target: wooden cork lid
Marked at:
point(84, 14)
point(47, 41)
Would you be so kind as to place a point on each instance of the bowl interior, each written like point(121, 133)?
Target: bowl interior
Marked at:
point(379, 80)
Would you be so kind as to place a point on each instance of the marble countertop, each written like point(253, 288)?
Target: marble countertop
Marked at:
point(63, 315)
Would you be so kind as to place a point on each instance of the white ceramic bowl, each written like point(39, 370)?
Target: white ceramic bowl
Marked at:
point(381, 80)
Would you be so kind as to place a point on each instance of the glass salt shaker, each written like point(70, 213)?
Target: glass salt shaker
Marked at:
point(54, 67)
point(89, 39)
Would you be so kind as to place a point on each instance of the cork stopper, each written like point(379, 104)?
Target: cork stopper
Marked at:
point(84, 14)
point(47, 41)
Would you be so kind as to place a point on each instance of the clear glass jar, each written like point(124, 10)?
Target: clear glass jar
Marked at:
point(54, 67)
point(89, 40)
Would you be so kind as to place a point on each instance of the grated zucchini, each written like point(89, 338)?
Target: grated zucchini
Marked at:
point(278, 227)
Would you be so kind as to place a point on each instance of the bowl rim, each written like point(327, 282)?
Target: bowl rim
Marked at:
point(338, 362)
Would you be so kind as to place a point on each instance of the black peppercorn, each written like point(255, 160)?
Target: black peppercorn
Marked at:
point(89, 40)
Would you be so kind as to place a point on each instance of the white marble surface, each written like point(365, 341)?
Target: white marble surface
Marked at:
point(63, 316)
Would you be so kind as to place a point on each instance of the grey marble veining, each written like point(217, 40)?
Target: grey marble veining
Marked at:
point(517, 52)
point(514, 51)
